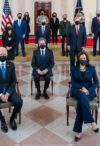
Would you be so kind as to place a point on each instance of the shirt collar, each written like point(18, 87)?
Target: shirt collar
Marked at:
point(42, 49)
point(3, 63)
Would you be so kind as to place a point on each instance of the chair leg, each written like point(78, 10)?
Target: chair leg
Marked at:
point(67, 109)
point(20, 117)
point(9, 109)
point(96, 115)
point(31, 87)
point(52, 86)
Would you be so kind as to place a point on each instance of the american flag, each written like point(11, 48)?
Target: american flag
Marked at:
point(78, 7)
point(6, 15)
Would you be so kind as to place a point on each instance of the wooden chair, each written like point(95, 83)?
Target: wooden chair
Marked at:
point(70, 101)
point(41, 79)
point(9, 104)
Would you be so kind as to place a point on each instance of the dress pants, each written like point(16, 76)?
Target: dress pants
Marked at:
point(63, 43)
point(83, 112)
point(54, 36)
point(21, 40)
point(95, 43)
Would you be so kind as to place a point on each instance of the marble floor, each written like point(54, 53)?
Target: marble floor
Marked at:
point(44, 121)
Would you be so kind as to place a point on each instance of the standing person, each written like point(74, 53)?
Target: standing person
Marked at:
point(42, 64)
point(8, 90)
point(96, 31)
point(64, 28)
point(20, 29)
point(41, 17)
point(84, 82)
point(26, 18)
point(54, 26)
point(9, 41)
point(76, 40)
point(43, 31)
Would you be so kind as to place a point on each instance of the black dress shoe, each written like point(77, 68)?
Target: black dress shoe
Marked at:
point(96, 130)
point(24, 54)
point(13, 124)
point(77, 138)
point(4, 127)
point(63, 53)
point(46, 95)
point(37, 97)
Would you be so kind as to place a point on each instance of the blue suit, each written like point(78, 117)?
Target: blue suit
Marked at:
point(20, 31)
point(76, 42)
point(89, 80)
point(45, 35)
point(96, 31)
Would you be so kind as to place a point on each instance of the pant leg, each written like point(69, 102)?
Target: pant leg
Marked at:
point(99, 43)
point(72, 59)
point(17, 102)
point(17, 42)
point(56, 37)
point(53, 37)
point(63, 41)
point(37, 83)
point(22, 45)
point(47, 82)
point(95, 44)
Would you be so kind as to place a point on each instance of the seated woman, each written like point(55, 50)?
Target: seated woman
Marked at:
point(84, 82)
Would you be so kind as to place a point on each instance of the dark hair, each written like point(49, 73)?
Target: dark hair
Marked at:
point(19, 14)
point(87, 57)
point(54, 13)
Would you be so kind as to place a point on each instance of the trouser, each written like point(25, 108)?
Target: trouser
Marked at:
point(27, 38)
point(21, 40)
point(95, 43)
point(54, 36)
point(63, 44)
point(83, 112)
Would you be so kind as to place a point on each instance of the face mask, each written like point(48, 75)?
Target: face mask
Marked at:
point(54, 15)
point(42, 13)
point(2, 58)
point(42, 46)
point(64, 19)
point(77, 22)
point(19, 17)
point(98, 15)
point(83, 62)
point(9, 28)
point(43, 23)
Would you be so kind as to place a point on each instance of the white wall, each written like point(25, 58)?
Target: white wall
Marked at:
point(60, 6)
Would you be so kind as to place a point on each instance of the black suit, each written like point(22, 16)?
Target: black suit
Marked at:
point(8, 84)
point(76, 41)
point(9, 41)
point(96, 31)
point(39, 62)
point(54, 26)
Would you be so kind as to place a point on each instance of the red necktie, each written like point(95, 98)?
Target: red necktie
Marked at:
point(76, 29)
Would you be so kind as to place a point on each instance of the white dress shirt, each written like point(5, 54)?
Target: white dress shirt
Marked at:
point(42, 51)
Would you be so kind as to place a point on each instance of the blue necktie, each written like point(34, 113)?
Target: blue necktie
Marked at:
point(3, 70)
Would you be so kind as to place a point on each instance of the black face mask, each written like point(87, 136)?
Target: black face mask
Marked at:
point(2, 58)
point(19, 17)
point(98, 15)
point(77, 22)
point(42, 13)
point(54, 15)
point(83, 62)
point(42, 46)
point(9, 28)
point(64, 18)
point(43, 23)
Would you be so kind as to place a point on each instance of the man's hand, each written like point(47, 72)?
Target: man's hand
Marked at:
point(45, 71)
point(23, 36)
point(85, 90)
point(39, 72)
point(4, 98)
point(68, 47)
point(8, 48)
point(93, 35)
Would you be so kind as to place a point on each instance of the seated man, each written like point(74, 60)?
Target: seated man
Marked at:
point(7, 90)
point(42, 64)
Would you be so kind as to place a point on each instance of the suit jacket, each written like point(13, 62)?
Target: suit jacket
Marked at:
point(89, 80)
point(27, 21)
point(76, 41)
point(46, 34)
point(64, 27)
point(20, 30)
point(11, 43)
point(54, 25)
point(9, 82)
point(38, 63)
point(95, 28)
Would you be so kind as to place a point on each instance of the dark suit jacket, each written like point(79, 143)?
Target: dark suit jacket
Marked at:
point(46, 34)
point(20, 30)
point(37, 62)
point(10, 79)
point(54, 26)
point(89, 80)
point(27, 21)
point(11, 43)
point(95, 28)
point(74, 40)
point(64, 28)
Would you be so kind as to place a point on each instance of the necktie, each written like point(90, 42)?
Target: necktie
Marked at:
point(19, 22)
point(3, 70)
point(76, 29)
point(43, 29)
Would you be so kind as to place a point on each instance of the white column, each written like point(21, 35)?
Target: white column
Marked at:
point(1, 9)
point(98, 4)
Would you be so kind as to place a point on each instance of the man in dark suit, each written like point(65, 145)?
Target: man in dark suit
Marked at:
point(7, 90)
point(43, 31)
point(76, 40)
point(54, 25)
point(96, 31)
point(42, 64)
point(64, 28)
point(20, 29)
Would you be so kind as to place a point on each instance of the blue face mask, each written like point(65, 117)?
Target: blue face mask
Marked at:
point(42, 46)
point(83, 62)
